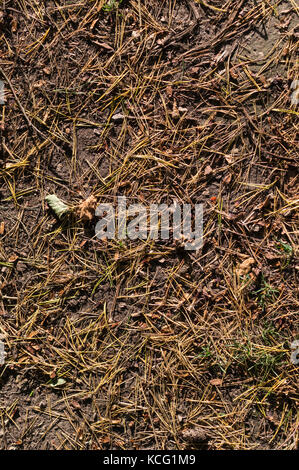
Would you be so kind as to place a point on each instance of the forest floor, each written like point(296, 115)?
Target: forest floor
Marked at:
point(141, 344)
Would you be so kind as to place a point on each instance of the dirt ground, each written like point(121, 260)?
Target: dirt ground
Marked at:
point(141, 344)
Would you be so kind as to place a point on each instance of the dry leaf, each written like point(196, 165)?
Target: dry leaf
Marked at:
point(39, 84)
point(87, 209)
point(2, 228)
point(13, 258)
point(229, 158)
point(216, 382)
point(169, 91)
point(227, 179)
point(208, 170)
point(75, 404)
point(245, 267)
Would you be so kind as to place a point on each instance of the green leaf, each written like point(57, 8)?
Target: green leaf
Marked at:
point(57, 205)
point(58, 383)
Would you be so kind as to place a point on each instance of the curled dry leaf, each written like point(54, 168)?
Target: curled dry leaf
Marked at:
point(87, 208)
point(245, 266)
point(13, 258)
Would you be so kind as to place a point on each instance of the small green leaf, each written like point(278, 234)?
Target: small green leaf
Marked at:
point(57, 205)
point(58, 383)
point(286, 247)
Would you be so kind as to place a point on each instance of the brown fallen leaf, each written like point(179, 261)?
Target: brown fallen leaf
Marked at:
point(169, 91)
point(75, 404)
point(208, 170)
point(216, 382)
point(229, 158)
point(12, 258)
point(227, 179)
point(87, 208)
point(2, 228)
point(245, 267)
